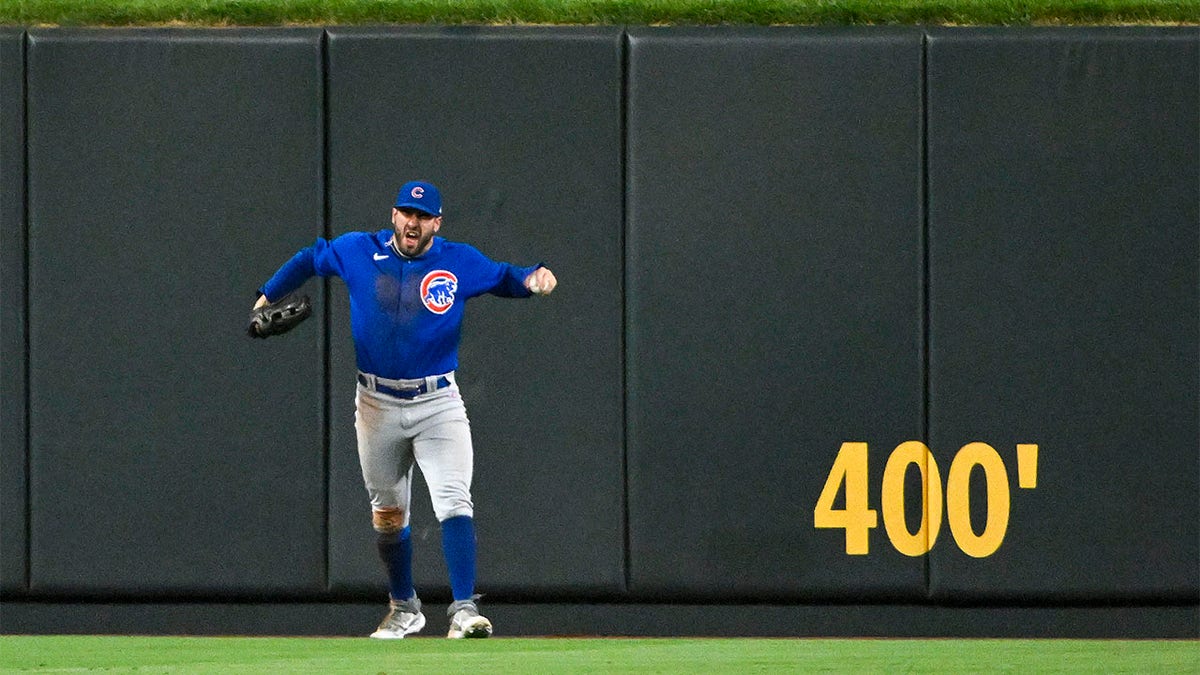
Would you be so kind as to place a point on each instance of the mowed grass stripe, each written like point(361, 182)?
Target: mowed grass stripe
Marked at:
point(541, 655)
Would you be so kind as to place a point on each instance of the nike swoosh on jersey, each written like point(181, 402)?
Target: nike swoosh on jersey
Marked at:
point(379, 256)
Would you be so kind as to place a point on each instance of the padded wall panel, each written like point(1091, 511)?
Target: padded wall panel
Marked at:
point(774, 272)
point(1064, 173)
point(14, 531)
point(520, 128)
point(169, 171)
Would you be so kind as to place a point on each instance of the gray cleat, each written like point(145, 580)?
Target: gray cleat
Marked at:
point(467, 622)
point(404, 618)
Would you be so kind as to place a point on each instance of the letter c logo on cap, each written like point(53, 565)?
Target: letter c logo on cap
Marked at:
point(418, 192)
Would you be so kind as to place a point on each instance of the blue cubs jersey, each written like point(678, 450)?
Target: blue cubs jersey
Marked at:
point(405, 313)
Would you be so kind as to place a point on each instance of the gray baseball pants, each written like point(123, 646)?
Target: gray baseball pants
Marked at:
point(432, 431)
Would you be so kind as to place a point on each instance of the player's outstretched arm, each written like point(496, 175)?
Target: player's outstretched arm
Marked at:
point(276, 317)
point(541, 281)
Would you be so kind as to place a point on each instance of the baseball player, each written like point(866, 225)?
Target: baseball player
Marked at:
point(408, 289)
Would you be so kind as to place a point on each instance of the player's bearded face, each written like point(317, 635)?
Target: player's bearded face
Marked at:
point(414, 230)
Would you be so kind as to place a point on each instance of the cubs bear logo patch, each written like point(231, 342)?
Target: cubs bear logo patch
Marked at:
point(437, 291)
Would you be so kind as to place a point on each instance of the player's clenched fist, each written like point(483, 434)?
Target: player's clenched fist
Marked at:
point(541, 281)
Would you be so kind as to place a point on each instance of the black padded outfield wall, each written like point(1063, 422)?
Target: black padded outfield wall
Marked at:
point(167, 455)
point(882, 315)
point(13, 478)
point(1063, 177)
point(774, 300)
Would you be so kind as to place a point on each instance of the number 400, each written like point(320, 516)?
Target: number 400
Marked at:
point(850, 469)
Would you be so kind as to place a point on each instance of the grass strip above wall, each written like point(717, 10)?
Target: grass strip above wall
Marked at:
point(586, 12)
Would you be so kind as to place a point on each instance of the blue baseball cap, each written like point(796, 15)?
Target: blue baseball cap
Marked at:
point(419, 195)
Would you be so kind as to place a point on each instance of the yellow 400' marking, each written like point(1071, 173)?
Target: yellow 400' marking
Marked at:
point(858, 519)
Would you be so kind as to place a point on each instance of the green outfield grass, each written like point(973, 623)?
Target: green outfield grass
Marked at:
point(562, 655)
point(637, 12)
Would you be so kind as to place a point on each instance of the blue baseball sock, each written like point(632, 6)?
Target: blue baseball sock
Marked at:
point(458, 543)
point(396, 552)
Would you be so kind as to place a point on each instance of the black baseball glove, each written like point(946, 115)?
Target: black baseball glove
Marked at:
point(277, 318)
